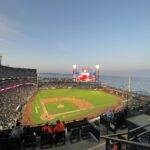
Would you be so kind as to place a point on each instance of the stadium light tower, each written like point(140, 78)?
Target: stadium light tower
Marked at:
point(129, 96)
point(97, 67)
point(74, 71)
point(0, 59)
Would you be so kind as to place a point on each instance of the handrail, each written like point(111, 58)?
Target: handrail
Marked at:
point(139, 135)
point(144, 125)
point(127, 142)
point(110, 137)
point(133, 130)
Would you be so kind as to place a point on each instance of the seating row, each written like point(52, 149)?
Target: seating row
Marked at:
point(46, 140)
point(77, 133)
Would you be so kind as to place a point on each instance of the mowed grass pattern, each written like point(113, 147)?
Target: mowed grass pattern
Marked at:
point(99, 99)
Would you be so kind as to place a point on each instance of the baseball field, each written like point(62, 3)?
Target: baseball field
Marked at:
point(67, 104)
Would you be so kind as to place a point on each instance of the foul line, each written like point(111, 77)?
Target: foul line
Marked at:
point(36, 109)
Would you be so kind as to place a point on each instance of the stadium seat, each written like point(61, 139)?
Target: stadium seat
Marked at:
point(46, 140)
point(29, 141)
point(14, 143)
point(3, 135)
point(10, 144)
point(60, 138)
point(27, 131)
point(36, 129)
point(85, 132)
point(75, 135)
point(76, 124)
point(3, 143)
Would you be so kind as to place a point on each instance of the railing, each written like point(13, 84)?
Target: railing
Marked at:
point(116, 140)
point(94, 131)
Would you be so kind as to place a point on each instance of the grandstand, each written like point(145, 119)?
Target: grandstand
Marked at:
point(17, 85)
point(106, 131)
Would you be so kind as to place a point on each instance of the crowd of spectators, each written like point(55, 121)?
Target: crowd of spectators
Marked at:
point(138, 106)
point(116, 117)
point(11, 82)
point(66, 83)
point(114, 91)
point(10, 76)
point(11, 100)
point(17, 85)
point(11, 72)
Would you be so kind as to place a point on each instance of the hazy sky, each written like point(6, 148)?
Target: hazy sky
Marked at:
point(52, 35)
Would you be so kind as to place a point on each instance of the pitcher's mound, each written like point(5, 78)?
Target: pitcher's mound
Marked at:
point(60, 106)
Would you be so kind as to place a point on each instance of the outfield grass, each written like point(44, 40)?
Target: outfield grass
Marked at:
point(99, 99)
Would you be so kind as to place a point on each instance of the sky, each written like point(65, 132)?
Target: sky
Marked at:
point(52, 35)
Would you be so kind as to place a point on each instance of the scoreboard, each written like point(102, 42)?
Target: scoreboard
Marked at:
point(85, 74)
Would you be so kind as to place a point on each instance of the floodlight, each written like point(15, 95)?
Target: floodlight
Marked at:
point(74, 66)
point(97, 66)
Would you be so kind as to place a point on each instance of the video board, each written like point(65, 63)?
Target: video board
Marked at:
point(85, 74)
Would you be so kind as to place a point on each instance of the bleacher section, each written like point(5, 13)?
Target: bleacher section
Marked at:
point(11, 72)
point(17, 85)
point(66, 83)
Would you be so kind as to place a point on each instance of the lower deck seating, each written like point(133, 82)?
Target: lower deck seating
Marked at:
point(76, 124)
point(85, 132)
point(29, 141)
point(60, 138)
point(46, 140)
point(75, 135)
point(10, 144)
point(32, 135)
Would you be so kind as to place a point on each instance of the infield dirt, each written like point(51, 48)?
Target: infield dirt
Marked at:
point(82, 105)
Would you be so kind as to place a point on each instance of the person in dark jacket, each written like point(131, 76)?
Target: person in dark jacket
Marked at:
point(17, 131)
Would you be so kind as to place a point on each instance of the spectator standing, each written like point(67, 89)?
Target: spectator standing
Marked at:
point(17, 131)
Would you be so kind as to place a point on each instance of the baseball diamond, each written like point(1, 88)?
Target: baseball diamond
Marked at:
point(67, 104)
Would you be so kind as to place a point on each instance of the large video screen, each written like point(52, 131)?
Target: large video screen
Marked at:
point(85, 75)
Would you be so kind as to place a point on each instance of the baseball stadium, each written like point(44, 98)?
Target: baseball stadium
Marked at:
point(88, 111)
point(68, 102)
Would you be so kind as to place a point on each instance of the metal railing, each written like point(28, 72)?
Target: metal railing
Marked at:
point(128, 142)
